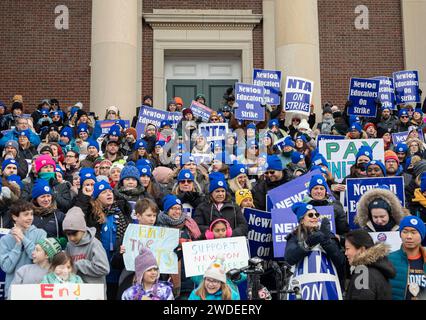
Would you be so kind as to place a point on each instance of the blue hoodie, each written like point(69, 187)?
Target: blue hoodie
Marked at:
point(14, 255)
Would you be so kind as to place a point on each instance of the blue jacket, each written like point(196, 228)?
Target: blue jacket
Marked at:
point(14, 255)
point(216, 296)
point(400, 262)
point(14, 134)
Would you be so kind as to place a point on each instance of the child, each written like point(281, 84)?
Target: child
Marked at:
point(219, 229)
point(45, 250)
point(62, 270)
point(87, 252)
point(244, 198)
point(16, 247)
point(146, 284)
point(214, 285)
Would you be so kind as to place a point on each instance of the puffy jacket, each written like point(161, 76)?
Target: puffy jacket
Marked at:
point(400, 262)
point(207, 212)
point(263, 186)
point(50, 220)
point(380, 270)
point(14, 134)
point(214, 296)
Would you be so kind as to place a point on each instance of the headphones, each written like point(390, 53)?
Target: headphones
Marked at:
point(209, 232)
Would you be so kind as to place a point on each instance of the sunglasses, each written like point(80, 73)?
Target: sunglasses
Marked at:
point(404, 116)
point(270, 172)
point(214, 119)
point(311, 215)
point(185, 181)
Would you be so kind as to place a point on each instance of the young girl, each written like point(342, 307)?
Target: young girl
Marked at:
point(244, 198)
point(214, 285)
point(219, 229)
point(62, 270)
point(146, 284)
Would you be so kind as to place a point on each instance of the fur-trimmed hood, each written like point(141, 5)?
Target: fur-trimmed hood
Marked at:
point(363, 135)
point(376, 257)
point(361, 217)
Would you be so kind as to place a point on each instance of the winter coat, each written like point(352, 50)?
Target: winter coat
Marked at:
point(263, 186)
point(162, 290)
point(9, 194)
point(340, 218)
point(22, 165)
point(362, 217)
point(28, 153)
point(400, 262)
point(132, 194)
point(90, 259)
point(14, 134)
point(13, 255)
point(400, 127)
point(215, 296)
point(380, 270)
point(50, 220)
point(207, 212)
point(386, 124)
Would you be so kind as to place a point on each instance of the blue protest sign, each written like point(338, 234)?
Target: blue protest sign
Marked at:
point(294, 191)
point(298, 95)
point(386, 92)
point(284, 221)
point(271, 81)
point(321, 137)
point(355, 188)
point(363, 94)
point(148, 115)
point(200, 110)
point(406, 86)
point(213, 131)
point(402, 136)
point(249, 99)
point(317, 277)
point(260, 233)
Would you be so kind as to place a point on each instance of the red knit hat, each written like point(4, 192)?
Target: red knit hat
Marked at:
point(389, 154)
point(368, 125)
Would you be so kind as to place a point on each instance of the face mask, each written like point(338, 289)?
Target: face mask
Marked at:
point(337, 114)
point(47, 175)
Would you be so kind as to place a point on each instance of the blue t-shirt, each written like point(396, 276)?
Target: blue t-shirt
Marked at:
point(416, 283)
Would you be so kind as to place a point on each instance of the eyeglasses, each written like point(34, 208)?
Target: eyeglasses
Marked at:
point(214, 119)
point(270, 172)
point(404, 117)
point(185, 181)
point(311, 215)
point(70, 156)
point(212, 281)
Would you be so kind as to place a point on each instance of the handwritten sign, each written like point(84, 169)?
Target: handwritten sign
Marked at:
point(58, 291)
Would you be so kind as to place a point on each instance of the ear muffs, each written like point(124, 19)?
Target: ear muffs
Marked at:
point(209, 233)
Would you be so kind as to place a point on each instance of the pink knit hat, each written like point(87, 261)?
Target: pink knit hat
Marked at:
point(42, 161)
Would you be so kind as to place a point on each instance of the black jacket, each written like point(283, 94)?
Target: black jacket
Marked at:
point(263, 186)
point(207, 212)
point(380, 270)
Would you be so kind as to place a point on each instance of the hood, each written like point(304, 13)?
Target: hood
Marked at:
point(88, 237)
point(376, 257)
point(362, 216)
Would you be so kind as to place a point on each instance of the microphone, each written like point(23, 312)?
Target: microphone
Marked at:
point(264, 294)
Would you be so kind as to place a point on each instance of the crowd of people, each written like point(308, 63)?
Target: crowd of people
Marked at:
point(69, 192)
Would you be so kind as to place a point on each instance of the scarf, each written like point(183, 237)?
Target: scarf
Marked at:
point(183, 220)
point(419, 197)
point(387, 227)
point(44, 212)
point(326, 126)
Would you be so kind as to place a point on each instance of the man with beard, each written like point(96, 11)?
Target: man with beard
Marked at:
point(387, 121)
point(393, 169)
point(92, 154)
point(130, 136)
point(111, 153)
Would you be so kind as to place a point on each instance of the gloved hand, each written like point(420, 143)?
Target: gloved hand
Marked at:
point(6, 193)
point(325, 229)
point(378, 103)
point(280, 93)
point(315, 238)
point(420, 91)
point(348, 104)
point(191, 196)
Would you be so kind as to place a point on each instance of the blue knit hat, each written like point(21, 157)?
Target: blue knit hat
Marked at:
point(319, 160)
point(355, 126)
point(25, 133)
point(114, 131)
point(402, 112)
point(186, 158)
point(217, 180)
point(143, 162)
point(66, 132)
point(354, 119)
point(41, 187)
point(160, 143)
point(317, 180)
point(401, 147)
point(296, 157)
point(165, 123)
point(237, 169)
point(423, 182)
point(379, 163)
point(57, 113)
point(86, 174)
point(418, 110)
point(252, 143)
point(7, 162)
point(121, 123)
point(322, 169)
point(413, 222)
point(288, 142)
point(93, 143)
point(364, 151)
point(145, 170)
point(169, 201)
point(130, 171)
point(99, 187)
point(59, 169)
point(82, 127)
point(274, 163)
point(300, 209)
point(185, 174)
point(273, 122)
point(17, 179)
point(251, 125)
point(139, 144)
point(301, 137)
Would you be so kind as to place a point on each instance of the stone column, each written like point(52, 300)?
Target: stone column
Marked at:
point(297, 43)
point(414, 26)
point(114, 62)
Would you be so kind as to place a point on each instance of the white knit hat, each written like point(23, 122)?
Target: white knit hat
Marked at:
point(216, 271)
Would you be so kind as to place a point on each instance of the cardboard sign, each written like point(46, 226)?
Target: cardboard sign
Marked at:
point(249, 100)
point(298, 95)
point(161, 241)
point(341, 155)
point(355, 188)
point(271, 81)
point(58, 291)
point(406, 86)
point(386, 92)
point(284, 221)
point(362, 94)
point(149, 115)
point(198, 255)
point(391, 238)
point(200, 110)
point(260, 233)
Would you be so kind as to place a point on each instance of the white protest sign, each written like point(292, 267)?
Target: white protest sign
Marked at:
point(298, 95)
point(198, 255)
point(161, 241)
point(58, 291)
point(391, 238)
point(341, 154)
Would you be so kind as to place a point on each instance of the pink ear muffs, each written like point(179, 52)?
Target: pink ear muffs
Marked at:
point(209, 233)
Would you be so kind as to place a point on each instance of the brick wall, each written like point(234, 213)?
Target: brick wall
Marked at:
point(149, 5)
point(39, 61)
point(346, 52)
